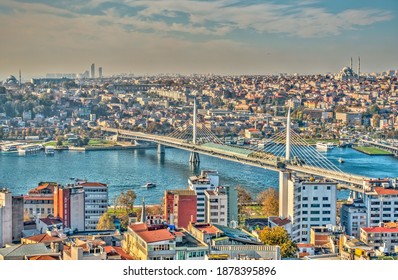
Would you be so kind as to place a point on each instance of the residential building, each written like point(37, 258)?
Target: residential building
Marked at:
point(381, 201)
point(5, 217)
point(69, 206)
point(180, 207)
point(353, 217)
point(81, 205)
point(24, 251)
point(383, 238)
point(207, 180)
point(216, 206)
point(145, 242)
point(39, 202)
point(307, 202)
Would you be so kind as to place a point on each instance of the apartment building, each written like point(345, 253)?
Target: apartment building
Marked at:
point(180, 207)
point(216, 206)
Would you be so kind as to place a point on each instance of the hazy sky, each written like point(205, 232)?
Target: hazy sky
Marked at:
point(196, 36)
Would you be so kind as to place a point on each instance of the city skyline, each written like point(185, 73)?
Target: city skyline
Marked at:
point(221, 37)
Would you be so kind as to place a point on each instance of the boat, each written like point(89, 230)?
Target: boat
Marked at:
point(149, 185)
point(341, 160)
point(49, 150)
point(29, 149)
point(10, 147)
point(321, 146)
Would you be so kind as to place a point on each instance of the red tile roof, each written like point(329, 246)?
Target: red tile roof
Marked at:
point(117, 250)
point(43, 238)
point(43, 258)
point(380, 230)
point(305, 245)
point(152, 236)
point(383, 191)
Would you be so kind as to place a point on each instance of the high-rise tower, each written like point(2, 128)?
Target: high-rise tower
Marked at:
point(93, 71)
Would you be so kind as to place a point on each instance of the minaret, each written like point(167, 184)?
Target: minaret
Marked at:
point(287, 157)
point(351, 63)
point(359, 66)
point(20, 77)
point(143, 212)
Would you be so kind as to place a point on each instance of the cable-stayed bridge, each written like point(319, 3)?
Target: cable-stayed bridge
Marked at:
point(285, 151)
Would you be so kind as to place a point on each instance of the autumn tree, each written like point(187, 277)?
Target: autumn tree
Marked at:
point(106, 222)
point(127, 199)
point(279, 236)
point(243, 195)
point(269, 199)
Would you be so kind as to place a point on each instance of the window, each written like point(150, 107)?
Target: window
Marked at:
point(326, 219)
point(326, 205)
point(325, 198)
point(305, 205)
point(305, 212)
point(315, 212)
point(305, 198)
point(315, 205)
point(325, 212)
point(314, 219)
point(316, 187)
point(328, 188)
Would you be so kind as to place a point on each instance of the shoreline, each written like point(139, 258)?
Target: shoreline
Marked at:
point(381, 153)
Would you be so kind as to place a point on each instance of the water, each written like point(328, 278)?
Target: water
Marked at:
point(124, 170)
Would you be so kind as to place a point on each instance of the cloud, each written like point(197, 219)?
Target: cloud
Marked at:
point(300, 18)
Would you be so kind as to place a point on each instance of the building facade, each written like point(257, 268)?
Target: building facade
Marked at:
point(216, 206)
point(307, 202)
point(180, 207)
point(5, 217)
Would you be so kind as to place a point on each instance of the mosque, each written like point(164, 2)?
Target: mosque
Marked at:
point(347, 73)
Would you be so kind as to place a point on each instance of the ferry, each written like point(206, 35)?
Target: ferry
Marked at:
point(321, 146)
point(49, 150)
point(10, 147)
point(29, 149)
point(149, 185)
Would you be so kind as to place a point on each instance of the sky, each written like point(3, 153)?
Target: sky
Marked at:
point(196, 36)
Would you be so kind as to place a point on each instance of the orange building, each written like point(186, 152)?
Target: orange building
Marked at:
point(180, 207)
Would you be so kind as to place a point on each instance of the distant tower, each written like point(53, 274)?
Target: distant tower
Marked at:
point(20, 77)
point(359, 66)
point(100, 72)
point(93, 71)
point(351, 63)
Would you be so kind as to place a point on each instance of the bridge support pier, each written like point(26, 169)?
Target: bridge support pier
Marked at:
point(161, 149)
point(194, 158)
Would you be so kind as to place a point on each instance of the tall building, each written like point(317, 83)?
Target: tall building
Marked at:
point(216, 206)
point(17, 218)
point(69, 206)
point(180, 207)
point(81, 205)
point(5, 217)
point(93, 71)
point(207, 180)
point(232, 209)
point(100, 72)
point(307, 202)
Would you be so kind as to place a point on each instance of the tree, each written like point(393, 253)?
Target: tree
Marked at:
point(269, 199)
point(279, 236)
point(106, 222)
point(243, 195)
point(126, 200)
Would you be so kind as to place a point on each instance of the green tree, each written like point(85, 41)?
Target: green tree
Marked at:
point(269, 199)
point(106, 222)
point(279, 236)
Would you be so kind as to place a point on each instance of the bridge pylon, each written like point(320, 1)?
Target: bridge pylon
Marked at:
point(194, 156)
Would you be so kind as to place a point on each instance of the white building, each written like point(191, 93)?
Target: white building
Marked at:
point(95, 202)
point(353, 217)
point(5, 217)
point(207, 180)
point(307, 202)
point(381, 201)
point(383, 238)
point(216, 206)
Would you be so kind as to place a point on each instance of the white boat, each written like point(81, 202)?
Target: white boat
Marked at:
point(49, 150)
point(149, 185)
point(321, 146)
point(341, 160)
point(29, 149)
